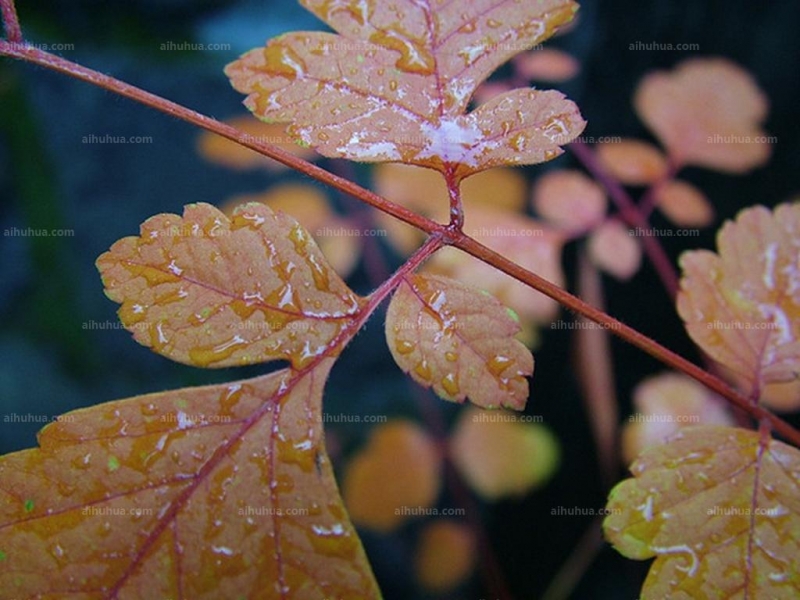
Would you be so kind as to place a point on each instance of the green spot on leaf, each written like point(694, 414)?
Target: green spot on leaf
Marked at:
point(360, 58)
point(513, 314)
point(29, 504)
point(113, 463)
point(2, 555)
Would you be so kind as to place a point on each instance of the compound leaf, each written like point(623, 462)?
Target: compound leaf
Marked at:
point(718, 507)
point(395, 83)
point(222, 491)
point(210, 291)
point(458, 340)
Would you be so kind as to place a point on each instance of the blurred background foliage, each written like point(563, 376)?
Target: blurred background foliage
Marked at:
point(57, 351)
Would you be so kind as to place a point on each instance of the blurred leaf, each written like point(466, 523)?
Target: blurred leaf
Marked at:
point(570, 200)
point(445, 556)
point(632, 162)
point(615, 250)
point(395, 477)
point(684, 204)
point(499, 455)
point(708, 113)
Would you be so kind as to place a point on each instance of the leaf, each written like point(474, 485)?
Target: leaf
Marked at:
point(684, 204)
point(222, 151)
point(613, 249)
point(446, 555)
point(742, 305)
point(336, 236)
point(210, 291)
point(546, 64)
point(718, 508)
point(570, 200)
point(396, 81)
point(523, 240)
point(222, 491)
point(632, 162)
point(396, 476)
point(664, 404)
point(499, 455)
point(708, 113)
point(450, 336)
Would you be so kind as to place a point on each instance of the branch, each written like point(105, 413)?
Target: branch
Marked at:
point(11, 21)
point(444, 234)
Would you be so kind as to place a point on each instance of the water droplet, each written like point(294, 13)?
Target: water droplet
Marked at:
point(498, 363)
point(414, 57)
point(451, 356)
point(404, 346)
point(450, 384)
point(423, 370)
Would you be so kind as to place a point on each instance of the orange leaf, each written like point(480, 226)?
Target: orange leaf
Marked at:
point(684, 204)
point(569, 199)
point(335, 235)
point(522, 240)
point(500, 456)
point(206, 290)
point(222, 491)
point(742, 306)
point(708, 113)
point(633, 162)
point(396, 476)
point(547, 64)
point(459, 341)
point(613, 249)
point(718, 508)
point(223, 151)
point(394, 85)
point(445, 555)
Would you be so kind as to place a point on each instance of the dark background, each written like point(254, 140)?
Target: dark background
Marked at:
point(50, 291)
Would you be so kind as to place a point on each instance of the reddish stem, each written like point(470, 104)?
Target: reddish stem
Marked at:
point(454, 193)
point(442, 234)
point(630, 213)
point(11, 21)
